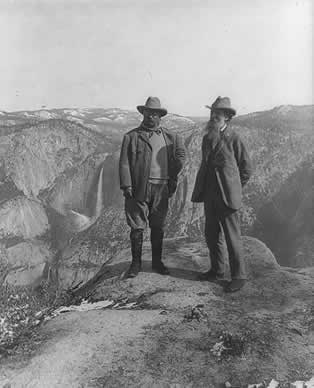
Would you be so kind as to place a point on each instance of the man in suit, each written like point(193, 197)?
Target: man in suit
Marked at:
point(224, 170)
point(150, 160)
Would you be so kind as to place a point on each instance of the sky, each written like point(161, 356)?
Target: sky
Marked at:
point(116, 53)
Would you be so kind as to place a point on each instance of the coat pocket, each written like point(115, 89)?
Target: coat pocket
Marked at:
point(230, 186)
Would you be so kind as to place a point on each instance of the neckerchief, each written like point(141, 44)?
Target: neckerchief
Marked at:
point(150, 132)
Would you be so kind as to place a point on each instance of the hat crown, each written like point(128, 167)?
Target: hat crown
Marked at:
point(222, 103)
point(153, 103)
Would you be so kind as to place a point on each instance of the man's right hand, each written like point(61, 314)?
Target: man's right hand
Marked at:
point(128, 192)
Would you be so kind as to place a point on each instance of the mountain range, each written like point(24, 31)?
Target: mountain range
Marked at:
point(51, 161)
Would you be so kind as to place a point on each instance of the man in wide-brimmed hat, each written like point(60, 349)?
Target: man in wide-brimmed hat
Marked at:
point(224, 170)
point(150, 160)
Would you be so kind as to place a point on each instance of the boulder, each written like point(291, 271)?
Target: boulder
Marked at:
point(259, 258)
point(185, 259)
point(22, 218)
point(26, 262)
point(84, 254)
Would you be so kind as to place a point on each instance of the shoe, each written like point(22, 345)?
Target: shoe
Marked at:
point(161, 269)
point(130, 274)
point(235, 285)
point(210, 276)
point(136, 237)
point(133, 271)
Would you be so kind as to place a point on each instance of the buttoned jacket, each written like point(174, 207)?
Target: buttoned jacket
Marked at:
point(135, 160)
point(231, 164)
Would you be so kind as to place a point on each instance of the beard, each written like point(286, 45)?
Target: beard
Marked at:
point(212, 129)
point(213, 133)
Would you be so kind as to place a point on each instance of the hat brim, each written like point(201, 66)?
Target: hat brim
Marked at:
point(229, 110)
point(162, 111)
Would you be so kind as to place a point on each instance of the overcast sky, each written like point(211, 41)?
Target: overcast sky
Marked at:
point(115, 53)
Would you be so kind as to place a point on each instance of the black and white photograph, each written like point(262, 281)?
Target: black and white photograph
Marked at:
point(156, 194)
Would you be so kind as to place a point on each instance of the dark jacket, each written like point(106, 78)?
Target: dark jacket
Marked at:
point(135, 160)
point(231, 164)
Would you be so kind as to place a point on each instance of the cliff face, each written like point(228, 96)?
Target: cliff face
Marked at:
point(22, 218)
point(49, 168)
point(286, 222)
point(40, 154)
point(46, 168)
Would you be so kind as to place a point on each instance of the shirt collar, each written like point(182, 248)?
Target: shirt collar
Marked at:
point(149, 130)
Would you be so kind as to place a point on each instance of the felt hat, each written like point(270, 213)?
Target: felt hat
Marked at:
point(222, 103)
point(152, 103)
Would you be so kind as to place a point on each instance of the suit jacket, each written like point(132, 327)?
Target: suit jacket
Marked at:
point(135, 160)
point(231, 164)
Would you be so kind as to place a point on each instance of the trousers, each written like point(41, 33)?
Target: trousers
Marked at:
point(152, 211)
point(222, 229)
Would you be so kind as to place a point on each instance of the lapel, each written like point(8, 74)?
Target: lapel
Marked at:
point(168, 140)
point(167, 137)
point(143, 135)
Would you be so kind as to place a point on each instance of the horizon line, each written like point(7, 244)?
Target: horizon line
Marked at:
point(134, 111)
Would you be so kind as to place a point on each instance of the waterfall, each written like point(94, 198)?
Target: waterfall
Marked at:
point(78, 222)
point(99, 198)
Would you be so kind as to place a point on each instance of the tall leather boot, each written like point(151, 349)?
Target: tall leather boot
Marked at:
point(156, 238)
point(136, 237)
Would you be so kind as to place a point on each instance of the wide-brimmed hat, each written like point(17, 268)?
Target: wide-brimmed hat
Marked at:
point(222, 103)
point(152, 103)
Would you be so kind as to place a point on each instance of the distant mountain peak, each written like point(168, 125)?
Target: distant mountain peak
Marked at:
point(283, 109)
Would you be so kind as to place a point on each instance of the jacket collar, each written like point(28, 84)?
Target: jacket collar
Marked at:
point(148, 130)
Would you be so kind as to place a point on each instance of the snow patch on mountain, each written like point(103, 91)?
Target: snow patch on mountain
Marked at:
point(102, 119)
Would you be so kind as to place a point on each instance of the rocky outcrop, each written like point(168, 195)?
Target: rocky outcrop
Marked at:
point(22, 218)
point(22, 222)
point(182, 331)
point(84, 254)
point(26, 262)
point(188, 257)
